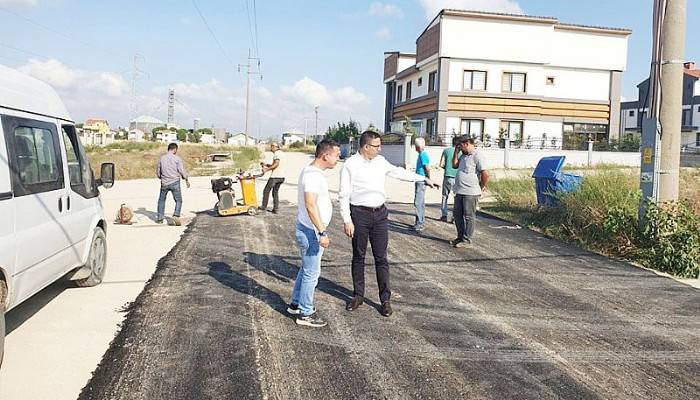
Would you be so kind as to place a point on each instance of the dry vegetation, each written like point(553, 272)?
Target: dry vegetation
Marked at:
point(138, 160)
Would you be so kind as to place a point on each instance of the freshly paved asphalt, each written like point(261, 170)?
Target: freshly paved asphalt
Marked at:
point(517, 315)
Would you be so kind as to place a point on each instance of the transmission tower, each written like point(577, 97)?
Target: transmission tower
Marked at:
point(135, 73)
point(171, 107)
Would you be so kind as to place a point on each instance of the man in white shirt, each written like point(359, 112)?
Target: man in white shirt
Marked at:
point(275, 180)
point(314, 214)
point(365, 216)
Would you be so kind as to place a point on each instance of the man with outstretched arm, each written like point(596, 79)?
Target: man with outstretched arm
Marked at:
point(365, 215)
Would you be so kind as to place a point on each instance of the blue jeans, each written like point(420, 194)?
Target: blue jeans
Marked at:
point(177, 195)
point(307, 277)
point(419, 202)
point(447, 183)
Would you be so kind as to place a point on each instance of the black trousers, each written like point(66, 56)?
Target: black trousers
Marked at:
point(274, 185)
point(370, 225)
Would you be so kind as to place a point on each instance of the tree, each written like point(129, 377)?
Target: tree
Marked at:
point(205, 131)
point(154, 132)
point(373, 128)
point(342, 132)
point(182, 135)
point(195, 137)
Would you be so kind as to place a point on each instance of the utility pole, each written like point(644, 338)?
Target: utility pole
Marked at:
point(672, 46)
point(316, 128)
point(249, 72)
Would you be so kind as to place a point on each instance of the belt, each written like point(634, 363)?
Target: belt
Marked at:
point(372, 209)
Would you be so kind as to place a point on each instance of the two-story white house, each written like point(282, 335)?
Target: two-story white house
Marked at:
point(490, 75)
point(632, 112)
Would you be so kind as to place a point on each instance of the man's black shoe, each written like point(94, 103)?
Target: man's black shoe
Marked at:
point(355, 303)
point(386, 309)
point(312, 321)
point(274, 211)
point(443, 219)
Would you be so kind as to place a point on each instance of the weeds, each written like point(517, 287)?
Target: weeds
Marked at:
point(603, 215)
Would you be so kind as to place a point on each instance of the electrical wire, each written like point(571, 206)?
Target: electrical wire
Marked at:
point(213, 35)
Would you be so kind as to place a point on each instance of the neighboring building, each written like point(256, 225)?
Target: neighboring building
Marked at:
point(166, 136)
point(219, 134)
point(292, 137)
point(146, 124)
point(207, 139)
point(136, 135)
point(632, 112)
point(486, 74)
point(240, 139)
point(96, 132)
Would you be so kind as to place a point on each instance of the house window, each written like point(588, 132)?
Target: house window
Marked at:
point(513, 82)
point(432, 81)
point(513, 130)
point(420, 81)
point(686, 117)
point(399, 94)
point(631, 113)
point(472, 127)
point(474, 80)
point(550, 80)
point(430, 129)
point(408, 90)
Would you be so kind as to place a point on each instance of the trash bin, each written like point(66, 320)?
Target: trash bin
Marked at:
point(550, 181)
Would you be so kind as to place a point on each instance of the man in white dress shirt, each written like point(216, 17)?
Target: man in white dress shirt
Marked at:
point(365, 216)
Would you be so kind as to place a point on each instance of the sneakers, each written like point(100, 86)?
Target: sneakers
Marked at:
point(355, 303)
point(458, 243)
point(294, 309)
point(386, 309)
point(159, 221)
point(312, 321)
point(418, 228)
point(176, 220)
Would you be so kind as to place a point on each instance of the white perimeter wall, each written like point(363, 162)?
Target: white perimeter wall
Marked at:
point(518, 158)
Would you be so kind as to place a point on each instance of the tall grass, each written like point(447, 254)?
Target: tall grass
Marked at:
point(603, 215)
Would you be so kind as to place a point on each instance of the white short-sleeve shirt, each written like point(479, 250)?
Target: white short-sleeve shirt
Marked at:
point(312, 180)
point(278, 172)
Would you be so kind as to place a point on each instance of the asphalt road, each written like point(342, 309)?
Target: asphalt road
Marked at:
point(515, 316)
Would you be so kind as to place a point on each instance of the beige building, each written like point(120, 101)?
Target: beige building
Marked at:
point(96, 132)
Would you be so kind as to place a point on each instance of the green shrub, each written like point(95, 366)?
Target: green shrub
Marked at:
point(603, 215)
point(670, 239)
point(297, 145)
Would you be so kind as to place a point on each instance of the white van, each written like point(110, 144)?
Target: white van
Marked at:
point(51, 217)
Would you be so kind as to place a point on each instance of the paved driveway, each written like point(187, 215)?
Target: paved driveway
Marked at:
point(516, 316)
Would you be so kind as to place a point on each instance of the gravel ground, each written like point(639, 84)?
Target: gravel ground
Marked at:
point(516, 315)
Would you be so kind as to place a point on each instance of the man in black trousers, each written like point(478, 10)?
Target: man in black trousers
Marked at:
point(365, 216)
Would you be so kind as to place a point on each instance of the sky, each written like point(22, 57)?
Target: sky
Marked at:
point(325, 53)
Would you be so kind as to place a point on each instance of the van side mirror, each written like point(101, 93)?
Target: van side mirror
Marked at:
point(106, 175)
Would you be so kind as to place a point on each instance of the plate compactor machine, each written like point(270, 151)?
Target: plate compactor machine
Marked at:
point(227, 203)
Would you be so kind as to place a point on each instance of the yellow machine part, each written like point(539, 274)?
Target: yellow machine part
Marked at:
point(248, 191)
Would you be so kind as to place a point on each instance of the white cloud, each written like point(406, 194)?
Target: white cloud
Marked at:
point(31, 3)
point(61, 76)
point(432, 7)
point(379, 9)
point(102, 94)
point(383, 33)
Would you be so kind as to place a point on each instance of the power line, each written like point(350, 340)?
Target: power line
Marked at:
point(65, 36)
point(213, 35)
point(255, 20)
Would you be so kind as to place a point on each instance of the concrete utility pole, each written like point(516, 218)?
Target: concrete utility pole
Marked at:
point(247, 90)
point(672, 48)
point(316, 128)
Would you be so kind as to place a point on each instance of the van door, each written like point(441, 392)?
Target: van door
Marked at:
point(7, 215)
point(82, 193)
point(39, 196)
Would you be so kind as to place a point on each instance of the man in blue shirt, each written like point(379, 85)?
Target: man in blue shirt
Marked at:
point(422, 169)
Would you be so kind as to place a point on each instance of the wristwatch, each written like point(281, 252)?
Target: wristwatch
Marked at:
point(322, 233)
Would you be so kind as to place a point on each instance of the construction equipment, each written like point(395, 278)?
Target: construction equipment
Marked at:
point(227, 203)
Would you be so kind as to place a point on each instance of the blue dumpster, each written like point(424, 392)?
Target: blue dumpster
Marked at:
point(550, 181)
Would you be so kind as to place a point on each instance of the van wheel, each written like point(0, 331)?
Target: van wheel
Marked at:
point(97, 260)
